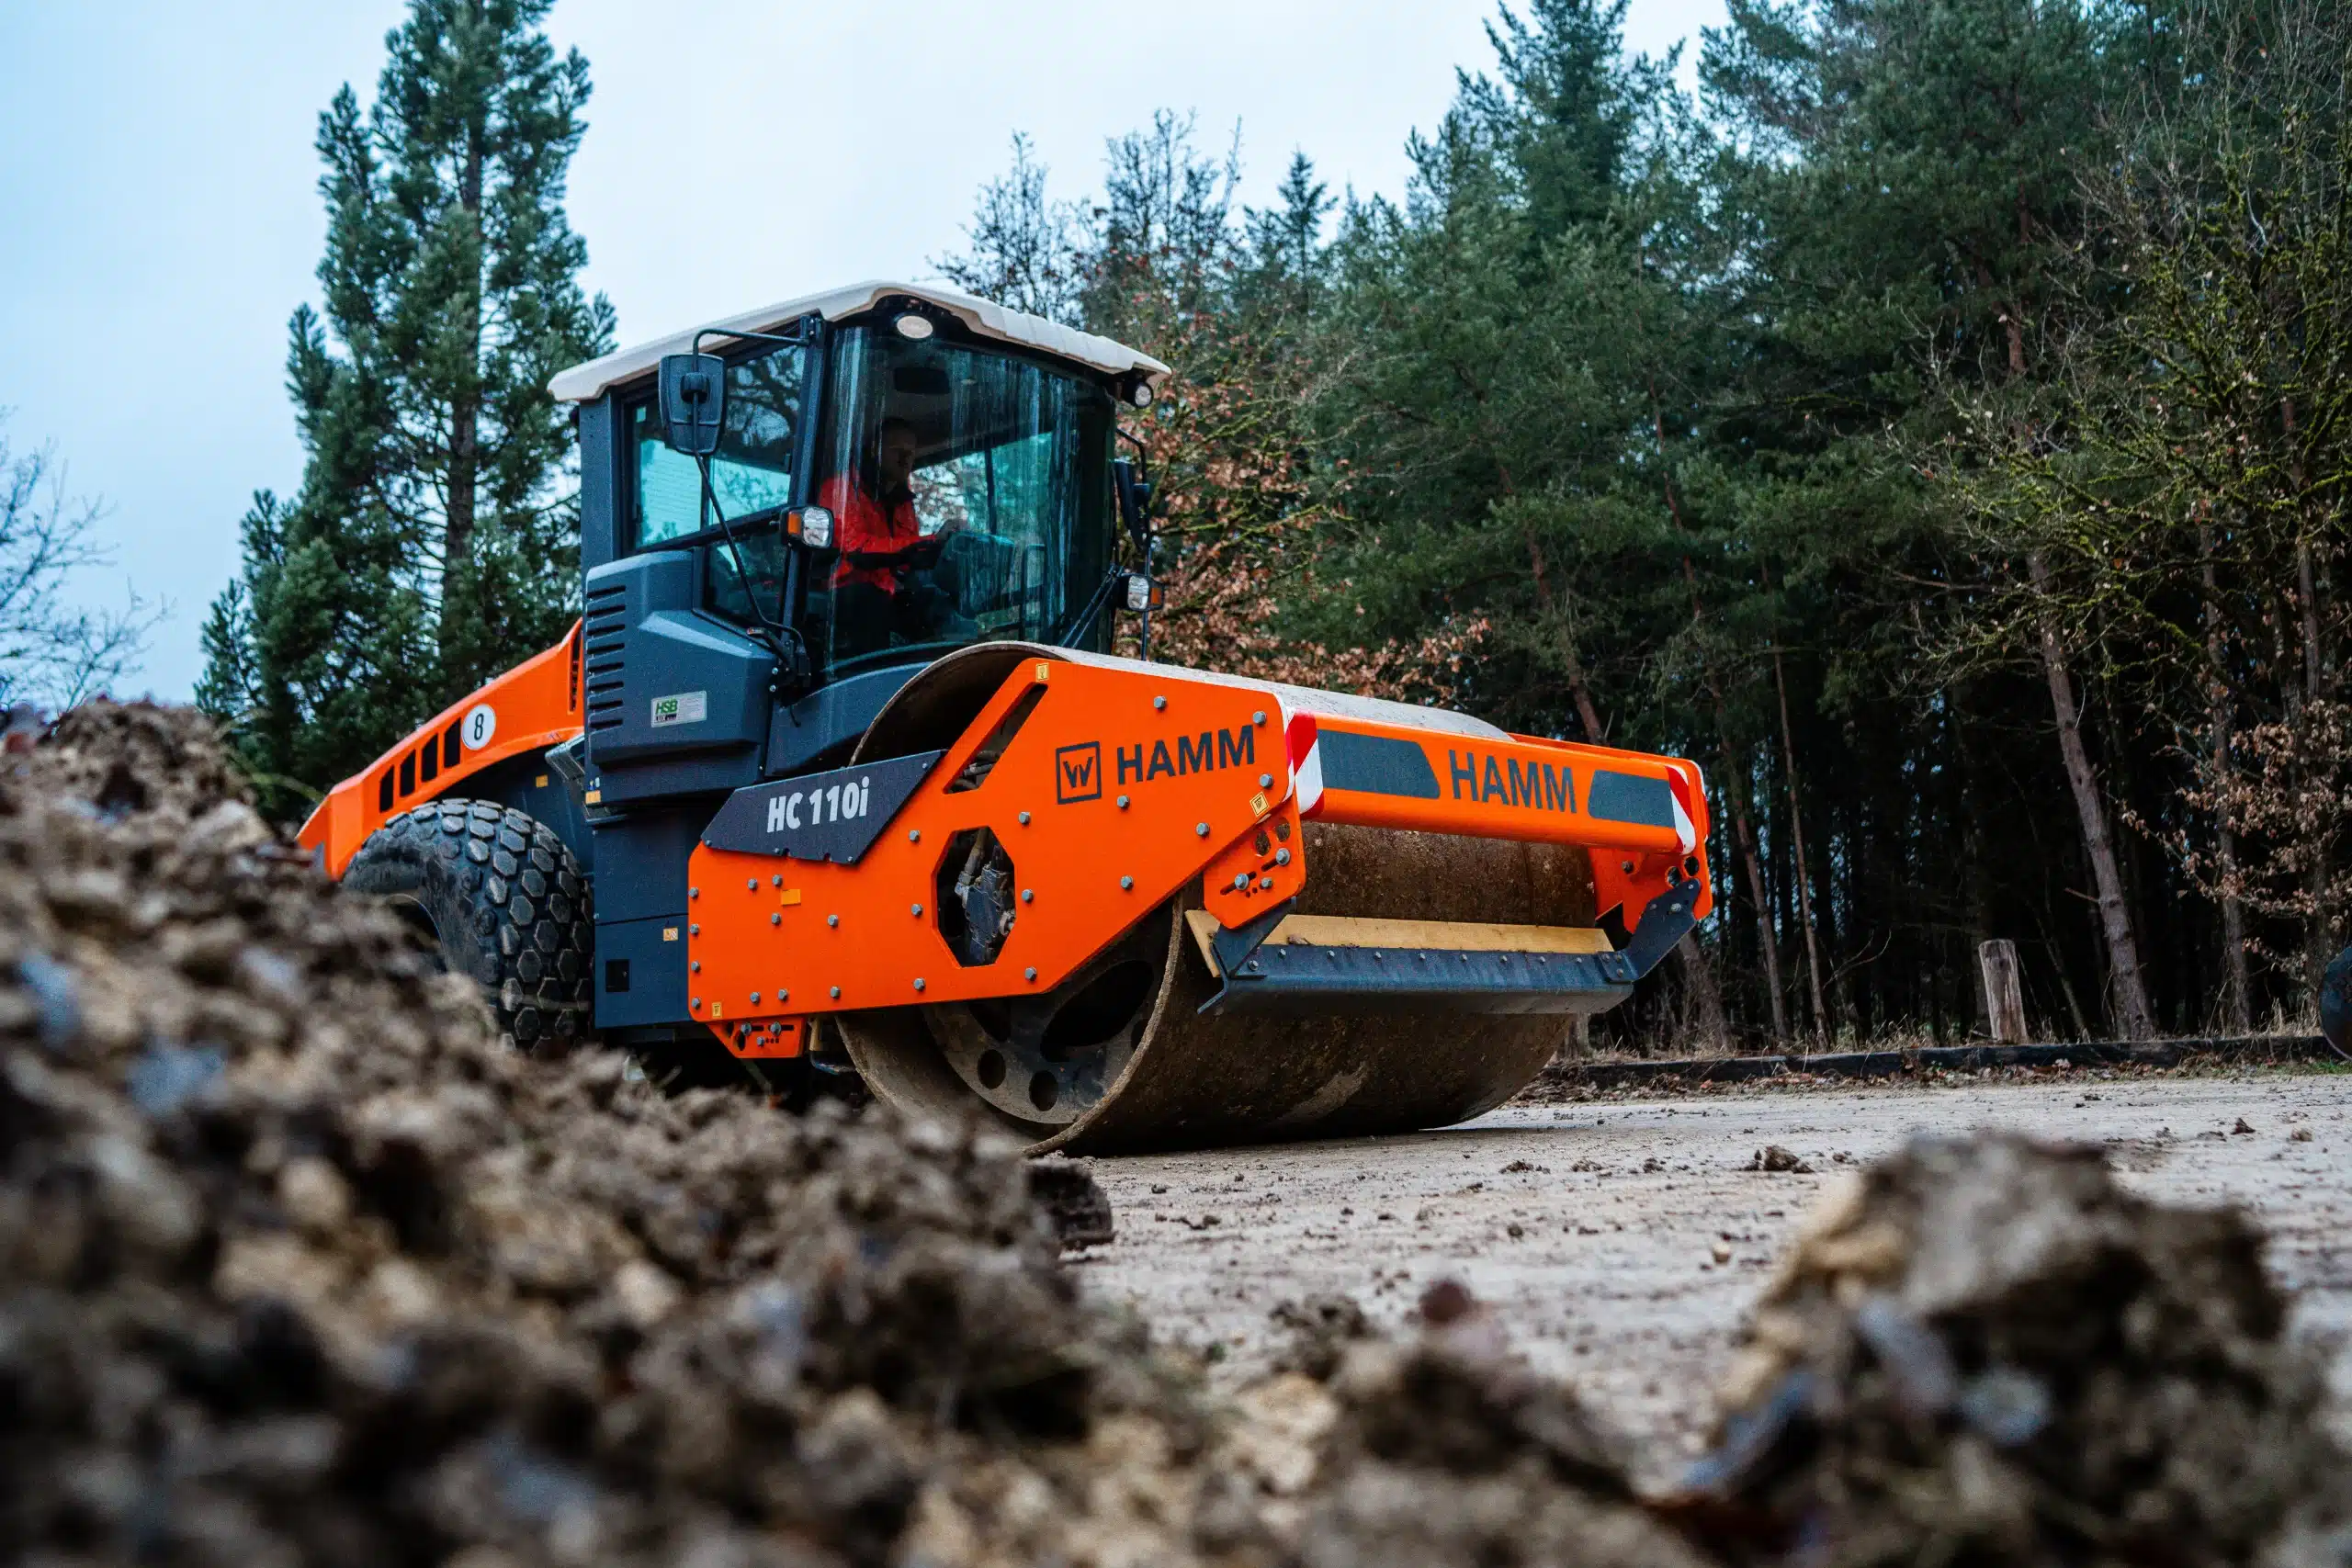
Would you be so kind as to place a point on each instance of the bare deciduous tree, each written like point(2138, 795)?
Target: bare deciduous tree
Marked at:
point(1027, 248)
point(2288, 799)
point(54, 651)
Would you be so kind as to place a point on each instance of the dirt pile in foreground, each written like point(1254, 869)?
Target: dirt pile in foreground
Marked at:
point(303, 1264)
point(1989, 1352)
point(297, 1264)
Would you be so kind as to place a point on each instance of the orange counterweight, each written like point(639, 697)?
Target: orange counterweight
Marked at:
point(1111, 788)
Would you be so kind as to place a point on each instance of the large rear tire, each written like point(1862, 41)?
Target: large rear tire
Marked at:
point(499, 897)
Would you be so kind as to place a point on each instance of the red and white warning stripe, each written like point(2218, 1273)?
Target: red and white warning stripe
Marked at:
point(1306, 762)
point(1684, 828)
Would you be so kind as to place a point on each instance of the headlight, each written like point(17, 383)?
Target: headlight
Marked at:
point(1140, 394)
point(1138, 591)
point(817, 527)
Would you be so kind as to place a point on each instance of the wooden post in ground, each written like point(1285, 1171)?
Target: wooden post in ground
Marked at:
point(2004, 991)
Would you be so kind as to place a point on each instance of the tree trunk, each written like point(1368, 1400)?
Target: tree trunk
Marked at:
point(1975, 846)
point(1706, 999)
point(1588, 713)
point(465, 410)
point(1796, 844)
point(2314, 648)
point(2306, 579)
point(2004, 992)
point(2318, 945)
point(2238, 1006)
point(1744, 833)
point(2132, 1016)
point(1840, 869)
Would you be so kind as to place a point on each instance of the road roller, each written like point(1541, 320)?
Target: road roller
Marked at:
point(838, 778)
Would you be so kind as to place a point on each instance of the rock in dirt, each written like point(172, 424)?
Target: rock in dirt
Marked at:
point(1990, 1349)
point(1072, 1201)
point(1320, 1330)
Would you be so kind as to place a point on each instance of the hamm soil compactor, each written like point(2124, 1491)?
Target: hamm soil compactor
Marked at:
point(838, 758)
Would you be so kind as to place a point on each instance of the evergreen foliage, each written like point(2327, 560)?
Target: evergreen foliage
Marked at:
point(1935, 428)
point(434, 541)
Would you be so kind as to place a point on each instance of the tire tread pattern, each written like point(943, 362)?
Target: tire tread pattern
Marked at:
point(510, 904)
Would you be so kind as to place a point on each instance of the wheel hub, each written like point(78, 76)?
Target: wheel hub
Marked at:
point(1050, 1059)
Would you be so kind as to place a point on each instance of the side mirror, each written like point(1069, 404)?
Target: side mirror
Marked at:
point(1135, 500)
point(693, 402)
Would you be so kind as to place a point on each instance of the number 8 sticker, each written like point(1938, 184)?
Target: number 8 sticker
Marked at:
point(481, 723)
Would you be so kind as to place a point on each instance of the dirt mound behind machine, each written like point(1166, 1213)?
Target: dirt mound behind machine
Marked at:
point(840, 753)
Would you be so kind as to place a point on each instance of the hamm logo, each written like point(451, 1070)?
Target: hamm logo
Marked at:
point(1077, 772)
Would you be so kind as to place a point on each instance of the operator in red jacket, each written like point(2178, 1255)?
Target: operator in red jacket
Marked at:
point(877, 590)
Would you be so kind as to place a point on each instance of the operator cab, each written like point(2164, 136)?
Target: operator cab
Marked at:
point(893, 472)
point(961, 491)
point(897, 472)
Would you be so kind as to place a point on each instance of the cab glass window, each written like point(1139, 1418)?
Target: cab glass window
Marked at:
point(750, 474)
point(971, 500)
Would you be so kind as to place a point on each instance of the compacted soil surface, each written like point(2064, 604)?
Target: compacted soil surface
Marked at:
point(1622, 1244)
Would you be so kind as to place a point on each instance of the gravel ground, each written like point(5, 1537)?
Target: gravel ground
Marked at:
point(1622, 1241)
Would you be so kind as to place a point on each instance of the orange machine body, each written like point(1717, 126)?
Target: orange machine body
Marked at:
point(1114, 787)
point(531, 707)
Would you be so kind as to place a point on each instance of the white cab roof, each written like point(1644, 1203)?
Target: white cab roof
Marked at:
point(592, 379)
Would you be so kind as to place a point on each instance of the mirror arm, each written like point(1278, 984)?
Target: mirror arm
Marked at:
point(1083, 621)
point(1150, 550)
point(1134, 506)
point(791, 650)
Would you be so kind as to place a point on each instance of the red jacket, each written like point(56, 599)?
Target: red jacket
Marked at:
point(865, 524)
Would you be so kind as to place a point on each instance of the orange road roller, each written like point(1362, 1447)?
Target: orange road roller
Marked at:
point(836, 774)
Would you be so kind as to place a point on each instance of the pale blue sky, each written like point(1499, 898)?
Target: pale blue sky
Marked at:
point(159, 218)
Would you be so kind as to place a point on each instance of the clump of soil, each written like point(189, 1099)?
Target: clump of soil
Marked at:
point(1319, 1330)
point(1989, 1351)
point(1444, 1448)
point(1073, 1202)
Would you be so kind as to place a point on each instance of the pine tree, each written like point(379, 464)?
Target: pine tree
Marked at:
point(1711, 426)
point(1288, 263)
point(435, 538)
point(1908, 175)
point(1505, 325)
